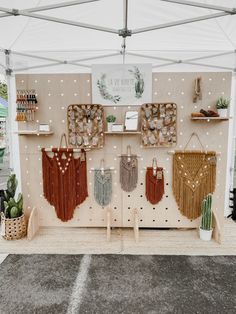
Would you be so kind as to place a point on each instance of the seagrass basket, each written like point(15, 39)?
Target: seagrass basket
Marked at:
point(13, 228)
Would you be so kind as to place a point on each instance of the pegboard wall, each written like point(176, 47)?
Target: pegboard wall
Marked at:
point(56, 92)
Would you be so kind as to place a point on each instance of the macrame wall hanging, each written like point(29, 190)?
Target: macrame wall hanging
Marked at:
point(154, 183)
point(158, 125)
point(64, 180)
point(85, 126)
point(128, 171)
point(194, 176)
point(197, 89)
point(103, 185)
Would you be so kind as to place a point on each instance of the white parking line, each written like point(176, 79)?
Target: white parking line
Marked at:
point(2, 257)
point(80, 283)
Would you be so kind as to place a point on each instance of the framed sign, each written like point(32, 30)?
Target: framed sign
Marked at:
point(129, 84)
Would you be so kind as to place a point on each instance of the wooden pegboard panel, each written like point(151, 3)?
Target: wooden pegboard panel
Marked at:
point(56, 92)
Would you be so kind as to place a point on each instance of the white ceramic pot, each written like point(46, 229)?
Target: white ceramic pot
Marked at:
point(223, 113)
point(109, 126)
point(205, 235)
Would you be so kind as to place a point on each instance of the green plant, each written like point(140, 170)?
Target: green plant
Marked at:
point(12, 208)
point(111, 119)
point(206, 221)
point(222, 103)
point(139, 83)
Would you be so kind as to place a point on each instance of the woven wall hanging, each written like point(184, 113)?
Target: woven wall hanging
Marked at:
point(128, 171)
point(158, 125)
point(103, 186)
point(197, 95)
point(154, 183)
point(64, 180)
point(194, 176)
point(85, 126)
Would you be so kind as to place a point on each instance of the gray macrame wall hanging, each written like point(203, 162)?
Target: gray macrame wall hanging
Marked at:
point(103, 185)
point(128, 171)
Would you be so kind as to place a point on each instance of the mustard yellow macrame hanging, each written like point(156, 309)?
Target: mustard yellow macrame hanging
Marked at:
point(194, 176)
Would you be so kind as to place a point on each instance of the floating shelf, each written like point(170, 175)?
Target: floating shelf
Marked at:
point(123, 133)
point(210, 118)
point(37, 133)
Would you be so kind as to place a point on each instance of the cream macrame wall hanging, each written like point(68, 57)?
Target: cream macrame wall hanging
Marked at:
point(158, 125)
point(85, 126)
point(194, 176)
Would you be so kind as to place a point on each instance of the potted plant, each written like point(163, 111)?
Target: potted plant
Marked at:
point(206, 220)
point(13, 223)
point(110, 120)
point(222, 105)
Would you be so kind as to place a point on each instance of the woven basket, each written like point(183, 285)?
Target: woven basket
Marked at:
point(15, 228)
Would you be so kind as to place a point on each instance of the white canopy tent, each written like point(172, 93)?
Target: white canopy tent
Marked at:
point(69, 36)
point(56, 36)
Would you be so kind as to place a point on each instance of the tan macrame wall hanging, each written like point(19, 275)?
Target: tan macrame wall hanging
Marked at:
point(154, 183)
point(197, 89)
point(85, 126)
point(158, 125)
point(64, 180)
point(128, 171)
point(194, 176)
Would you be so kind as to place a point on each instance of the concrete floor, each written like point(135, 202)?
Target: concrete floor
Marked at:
point(94, 284)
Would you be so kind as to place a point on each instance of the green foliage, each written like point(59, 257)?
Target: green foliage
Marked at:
point(206, 221)
point(111, 118)
point(3, 90)
point(222, 103)
point(12, 208)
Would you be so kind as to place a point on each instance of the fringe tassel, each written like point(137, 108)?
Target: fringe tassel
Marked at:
point(128, 173)
point(154, 186)
point(194, 176)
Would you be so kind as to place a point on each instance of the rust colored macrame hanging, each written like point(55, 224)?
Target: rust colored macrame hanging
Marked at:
point(64, 180)
point(154, 183)
point(194, 176)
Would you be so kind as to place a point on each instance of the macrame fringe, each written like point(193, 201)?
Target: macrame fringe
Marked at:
point(194, 176)
point(65, 191)
point(128, 173)
point(103, 187)
point(154, 186)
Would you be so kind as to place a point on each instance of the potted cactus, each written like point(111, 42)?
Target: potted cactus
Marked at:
point(206, 220)
point(110, 120)
point(12, 218)
point(222, 105)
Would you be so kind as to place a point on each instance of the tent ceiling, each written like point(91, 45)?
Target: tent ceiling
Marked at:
point(66, 42)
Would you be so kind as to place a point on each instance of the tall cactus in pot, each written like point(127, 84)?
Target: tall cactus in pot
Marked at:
point(206, 220)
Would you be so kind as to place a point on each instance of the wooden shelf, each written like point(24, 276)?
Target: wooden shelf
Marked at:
point(37, 133)
point(123, 133)
point(210, 118)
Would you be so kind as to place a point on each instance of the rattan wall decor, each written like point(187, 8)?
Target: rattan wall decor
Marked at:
point(85, 126)
point(158, 124)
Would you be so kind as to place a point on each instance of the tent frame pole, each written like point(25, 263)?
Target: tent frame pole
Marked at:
point(181, 22)
point(12, 125)
point(202, 5)
point(52, 7)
